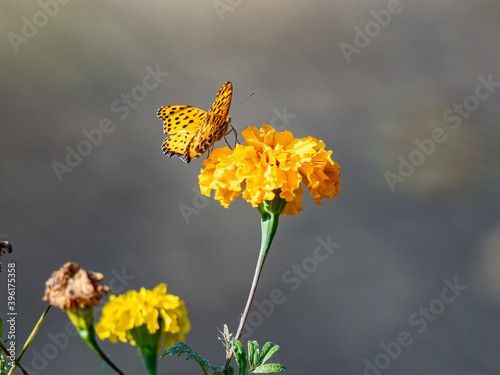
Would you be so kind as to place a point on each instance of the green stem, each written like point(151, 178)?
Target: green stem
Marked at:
point(149, 356)
point(33, 333)
point(28, 342)
point(16, 362)
point(148, 345)
point(198, 361)
point(269, 227)
point(83, 319)
point(270, 211)
point(88, 335)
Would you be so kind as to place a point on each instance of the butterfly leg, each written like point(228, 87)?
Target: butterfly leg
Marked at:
point(236, 141)
point(210, 150)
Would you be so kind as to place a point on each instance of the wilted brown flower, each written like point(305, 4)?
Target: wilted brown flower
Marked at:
point(5, 247)
point(72, 287)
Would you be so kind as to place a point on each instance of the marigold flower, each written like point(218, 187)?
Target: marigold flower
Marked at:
point(71, 287)
point(76, 291)
point(154, 310)
point(271, 163)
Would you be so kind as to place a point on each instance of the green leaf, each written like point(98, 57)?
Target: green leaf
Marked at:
point(182, 348)
point(267, 351)
point(269, 368)
point(178, 348)
point(241, 356)
point(253, 353)
point(102, 368)
point(206, 365)
point(3, 364)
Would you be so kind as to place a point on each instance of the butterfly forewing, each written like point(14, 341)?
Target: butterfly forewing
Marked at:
point(223, 100)
point(193, 130)
point(214, 126)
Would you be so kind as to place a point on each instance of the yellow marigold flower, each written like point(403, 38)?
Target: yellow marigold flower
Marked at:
point(268, 164)
point(154, 310)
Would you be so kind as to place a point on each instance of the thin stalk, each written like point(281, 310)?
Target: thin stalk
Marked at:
point(16, 362)
point(88, 335)
point(33, 333)
point(269, 223)
point(28, 342)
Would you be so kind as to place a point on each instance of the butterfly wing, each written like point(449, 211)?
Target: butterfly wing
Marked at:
point(214, 126)
point(182, 122)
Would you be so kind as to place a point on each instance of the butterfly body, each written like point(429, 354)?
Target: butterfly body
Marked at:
point(192, 131)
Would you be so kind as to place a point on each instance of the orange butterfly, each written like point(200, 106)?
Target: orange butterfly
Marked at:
point(193, 131)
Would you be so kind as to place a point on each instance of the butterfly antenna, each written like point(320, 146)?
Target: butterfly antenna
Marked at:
point(238, 106)
point(236, 141)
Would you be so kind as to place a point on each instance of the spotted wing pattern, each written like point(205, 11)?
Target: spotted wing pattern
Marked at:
point(181, 122)
point(214, 127)
point(193, 131)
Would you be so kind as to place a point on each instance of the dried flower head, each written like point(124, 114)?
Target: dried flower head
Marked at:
point(72, 287)
point(5, 247)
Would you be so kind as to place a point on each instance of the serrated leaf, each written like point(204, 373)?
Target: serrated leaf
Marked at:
point(193, 355)
point(178, 348)
point(269, 368)
point(182, 348)
point(267, 351)
point(3, 364)
point(215, 369)
point(206, 364)
point(253, 353)
point(241, 356)
point(174, 351)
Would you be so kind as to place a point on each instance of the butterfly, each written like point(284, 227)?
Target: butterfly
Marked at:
point(192, 131)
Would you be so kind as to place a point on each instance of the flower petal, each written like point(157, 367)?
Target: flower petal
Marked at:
point(270, 161)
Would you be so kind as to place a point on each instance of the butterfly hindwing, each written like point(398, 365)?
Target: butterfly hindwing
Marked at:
point(213, 130)
point(176, 144)
point(193, 131)
point(182, 122)
point(181, 118)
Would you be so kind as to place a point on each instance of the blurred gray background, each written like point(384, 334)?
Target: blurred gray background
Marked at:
point(372, 79)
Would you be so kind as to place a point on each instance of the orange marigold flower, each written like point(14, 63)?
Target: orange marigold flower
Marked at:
point(271, 162)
